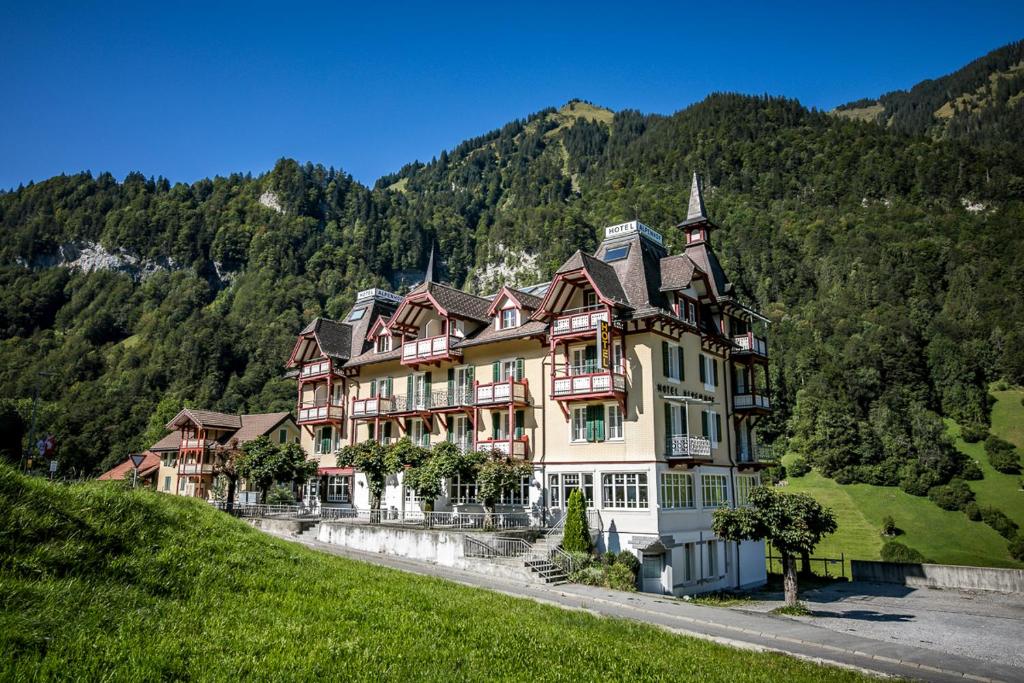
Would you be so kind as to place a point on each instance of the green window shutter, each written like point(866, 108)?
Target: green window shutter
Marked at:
point(668, 419)
point(704, 423)
point(682, 365)
point(427, 396)
point(664, 358)
point(714, 364)
point(703, 369)
point(371, 429)
point(589, 414)
point(495, 371)
point(470, 374)
point(718, 427)
point(519, 369)
point(495, 424)
point(373, 388)
point(599, 423)
point(520, 424)
point(390, 385)
point(451, 383)
point(449, 427)
point(408, 387)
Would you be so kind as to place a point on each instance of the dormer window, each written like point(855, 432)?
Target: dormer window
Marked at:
point(383, 343)
point(589, 299)
point(357, 314)
point(508, 318)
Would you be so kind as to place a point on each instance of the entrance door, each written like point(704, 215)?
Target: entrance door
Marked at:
point(650, 572)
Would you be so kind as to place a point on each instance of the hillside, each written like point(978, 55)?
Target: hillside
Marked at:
point(943, 536)
point(101, 583)
point(982, 103)
point(889, 297)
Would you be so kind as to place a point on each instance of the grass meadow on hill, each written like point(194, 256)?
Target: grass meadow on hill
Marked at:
point(101, 583)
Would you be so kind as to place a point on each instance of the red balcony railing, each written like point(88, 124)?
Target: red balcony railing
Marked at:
point(505, 391)
point(588, 383)
point(309, 413)
point(315, 369)
point(579, 320)
point(748, 343)
point(429, 349)
point(516, 447)
point(372, 407)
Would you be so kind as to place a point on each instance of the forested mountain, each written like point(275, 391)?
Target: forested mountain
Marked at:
point(891, 262)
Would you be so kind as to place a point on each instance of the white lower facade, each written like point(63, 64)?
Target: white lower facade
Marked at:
point(660, 514)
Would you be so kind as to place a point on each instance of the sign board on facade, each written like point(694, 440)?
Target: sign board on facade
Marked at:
point(378, 294)
point(604, 352)
point(631, 227)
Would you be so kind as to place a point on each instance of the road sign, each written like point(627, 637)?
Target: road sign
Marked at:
point(137, 459)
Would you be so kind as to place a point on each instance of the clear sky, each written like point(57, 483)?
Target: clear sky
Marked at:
point(192, 90)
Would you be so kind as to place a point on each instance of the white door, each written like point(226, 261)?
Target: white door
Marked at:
point(651, 570)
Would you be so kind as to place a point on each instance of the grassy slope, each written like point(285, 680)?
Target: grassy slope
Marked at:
point(942, 536)
point(99, 583)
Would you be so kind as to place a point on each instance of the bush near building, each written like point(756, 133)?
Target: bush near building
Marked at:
point(894, 551)
point(998, 520)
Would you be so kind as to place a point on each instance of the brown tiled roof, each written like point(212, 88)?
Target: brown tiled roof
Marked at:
point(257, 425)
point(490, 334)
point(168, 443)
point(333, 337)
point(208, 418)
point(150, 465)
point(676, 272)
point(457, 302)
point(603, 275)
point(705, 259)
point(529, 301)
point(639, 272)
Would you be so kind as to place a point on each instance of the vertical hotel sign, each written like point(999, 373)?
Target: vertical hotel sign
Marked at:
point(604, 347)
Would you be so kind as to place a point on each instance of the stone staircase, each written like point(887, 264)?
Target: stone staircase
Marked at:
point(309, 529)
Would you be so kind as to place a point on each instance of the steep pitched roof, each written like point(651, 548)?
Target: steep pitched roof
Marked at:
point(454, 301)
point(677, 272)
point(601, 274)
point(206, 418)
point(639, 272)
point(525, 301)
point(695, 211)
point(334, 338)
point(150, 465)
point(373, 310)
point(705, 259)
point(256, 425)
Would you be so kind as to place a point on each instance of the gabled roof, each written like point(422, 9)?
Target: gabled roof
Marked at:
point(677, 272)
point(334, 338)
point(525, 301)
point(705, 259)
point(170, 442)
point(445, 300)
point(258, 424)
point(205, 419)
point(150, 465)
point(601, 274)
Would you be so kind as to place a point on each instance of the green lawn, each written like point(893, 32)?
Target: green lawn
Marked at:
point(942, 536)
point(100, 583)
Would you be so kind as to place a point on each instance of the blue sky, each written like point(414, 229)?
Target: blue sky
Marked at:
point(192, 90)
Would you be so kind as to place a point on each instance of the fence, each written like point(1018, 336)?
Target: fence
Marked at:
point(828, 565)
point(409, 518)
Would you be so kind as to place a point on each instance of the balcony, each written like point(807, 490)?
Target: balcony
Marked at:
point(507, 391)
point(756, 455)
point(430, 350)
point(750, 345)
point(517, 448)
point(582, 384)
point(317, 369)
point(578, 321)
point(195, 468)
point(311, 413)
point(686, 447)
point(751, 402)
point(190, 443)
point(373, 407)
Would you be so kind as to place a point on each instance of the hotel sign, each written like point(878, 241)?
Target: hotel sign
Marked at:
point(631, 227)
point(604, 353)
point(378, 294)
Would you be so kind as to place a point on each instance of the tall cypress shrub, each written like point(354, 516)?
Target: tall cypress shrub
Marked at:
point(577, 535)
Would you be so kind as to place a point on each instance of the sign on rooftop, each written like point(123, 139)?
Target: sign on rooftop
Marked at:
point(631, 227)
point(377, 294)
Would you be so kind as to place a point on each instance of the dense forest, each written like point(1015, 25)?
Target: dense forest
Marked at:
point(891, 262)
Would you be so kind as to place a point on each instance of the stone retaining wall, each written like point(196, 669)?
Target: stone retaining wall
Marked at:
point(939, 576)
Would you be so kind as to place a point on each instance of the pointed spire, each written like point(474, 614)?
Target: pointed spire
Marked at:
point(429, 276)
point(696, 211)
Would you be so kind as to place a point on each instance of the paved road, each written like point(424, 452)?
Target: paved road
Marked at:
point(979, 624)
point(746, 629)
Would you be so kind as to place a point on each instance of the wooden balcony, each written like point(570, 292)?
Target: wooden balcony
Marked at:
point(373, 407)
point(751, 402)
point(686, 448)
point(312, 413)
point(316, 369)
point(750, 345)
point(581, 385)
point(195, 444)
point(195, 468)
point(580, 321)
point(430, 350)
point(507, 391)
point(516, 447)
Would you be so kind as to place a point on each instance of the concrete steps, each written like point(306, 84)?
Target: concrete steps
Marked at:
point(308, 530)
point(547, 571)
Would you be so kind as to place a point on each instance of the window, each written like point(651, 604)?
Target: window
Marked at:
point(504, 370)
point(357, 314)
point(690, 311)
point(616, 253)
point(339, 488)
point(167, 483)
point(708, 371)
point(588, 423)
point(561, 485)
point(383, 343)
point(687, 568)
point(412, 496)
point(714, 490)
point(677, 491)
point(614, 419)
point(282, 436)
point(171, 459)
point(584, 360)
point(672, 361)
point(459, 432)
point(711, 426)
point(516, 495)
point(418, 432)
point(324, 441)
point(744, 485)
point(181, 484)
point(625, 490)
point(382, 387)
point(509, 318)
point(617, 364)
point(462, 490)
point(712, 559)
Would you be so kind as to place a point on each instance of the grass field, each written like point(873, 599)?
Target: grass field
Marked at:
point(100, 583)
point(940, 535)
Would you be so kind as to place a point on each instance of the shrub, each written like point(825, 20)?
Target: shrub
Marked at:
point(628, 560)
point(952, 496)
point(1007, 462)
point(799, 467)
point(894, 551)
point(776, 472)
point(998, 520)
point(971, 470)
point(973, 512)
point(847, 475)
point(889, 526)
point(590, 576)
point(577, 535)
point(973, 433)
point(1016, 547)
point(619, 577)
point(608, 557)
point(917, 480)
point(994, 444)
point(280, 495)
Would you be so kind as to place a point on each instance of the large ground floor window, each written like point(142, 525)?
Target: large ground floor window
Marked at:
point(624, 490)
point(462, 490)
point(562, 484)
point(714, 489)
point(339, 489)
point(517, 495)
point(677, 491)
